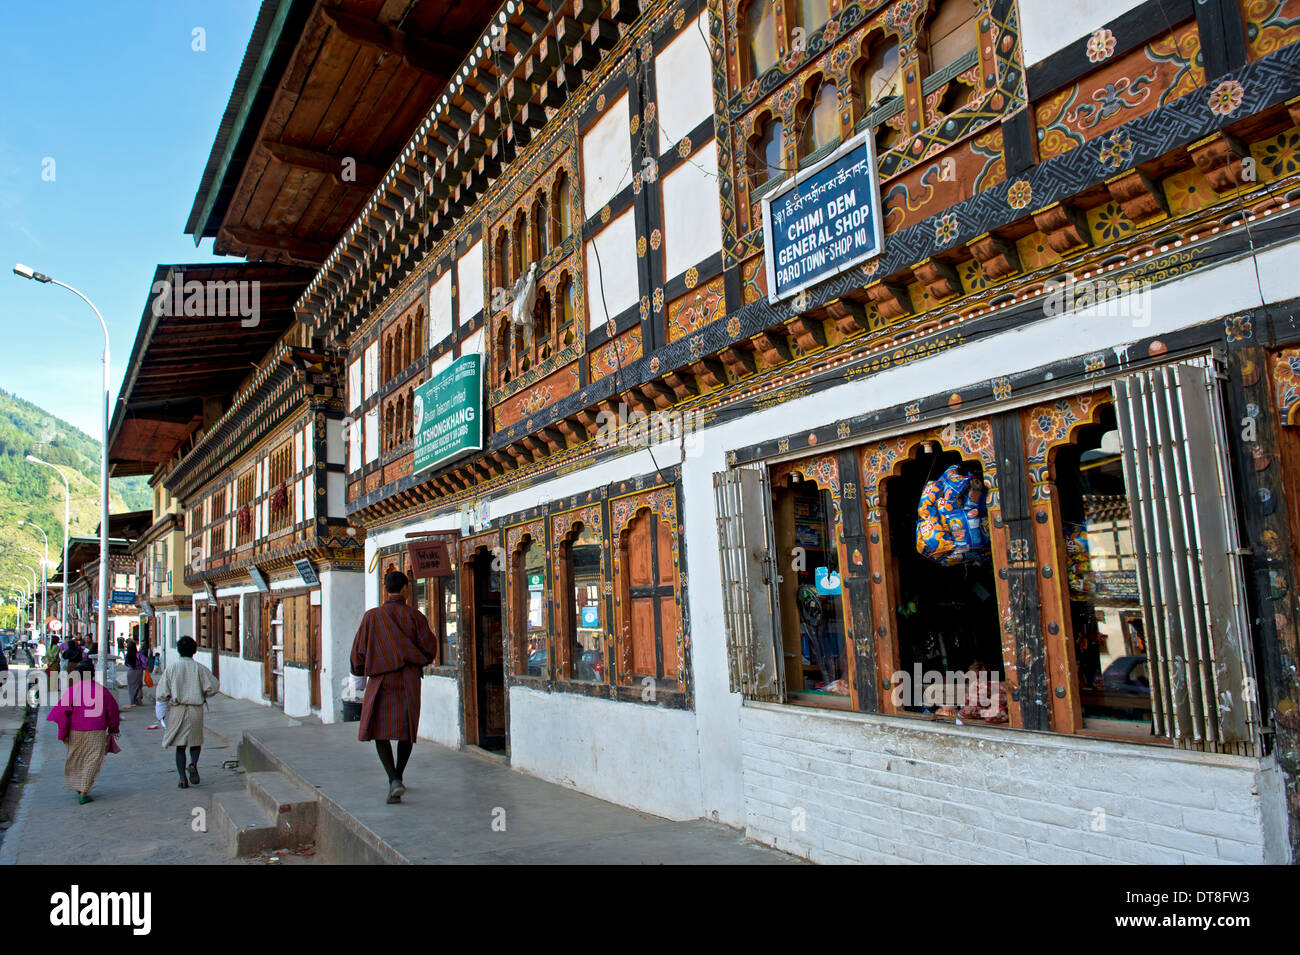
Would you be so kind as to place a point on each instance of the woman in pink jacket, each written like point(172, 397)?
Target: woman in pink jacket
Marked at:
point(86, 715)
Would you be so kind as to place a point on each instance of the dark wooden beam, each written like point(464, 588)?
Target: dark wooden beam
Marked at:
point(304, 250)
point(368, 176)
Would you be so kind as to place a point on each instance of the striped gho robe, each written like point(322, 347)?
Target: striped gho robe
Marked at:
point(393, 643)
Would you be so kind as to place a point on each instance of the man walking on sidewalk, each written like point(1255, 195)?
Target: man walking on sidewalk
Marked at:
point(185, 687)
point(392, 646)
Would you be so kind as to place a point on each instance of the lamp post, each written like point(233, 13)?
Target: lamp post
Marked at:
point(40, 560)
point(45, 568)
point(67, 503)
point(26, 272)
point(32, 596)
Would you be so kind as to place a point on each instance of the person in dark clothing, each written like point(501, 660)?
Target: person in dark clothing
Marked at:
point(392, 646)
point(73, 654)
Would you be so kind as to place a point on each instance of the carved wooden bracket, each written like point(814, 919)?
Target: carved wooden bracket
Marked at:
point(739, 358)
point(890, 298)
point(998, 257)
point(1219, 158)
point(774, 345)
point(1139, 196)
point(809, 332)
point(1065, 227)
point(939, 278)
point(709, 372)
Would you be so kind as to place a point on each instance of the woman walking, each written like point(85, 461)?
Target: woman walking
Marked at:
point(185, 686)
point(87, 716)
point(136, 664)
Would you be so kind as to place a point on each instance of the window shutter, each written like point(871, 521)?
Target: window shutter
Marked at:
point(746, 549)
point(1190, 576)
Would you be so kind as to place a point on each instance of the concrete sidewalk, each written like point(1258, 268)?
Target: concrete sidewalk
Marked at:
point(139, 816)
point(460, 808)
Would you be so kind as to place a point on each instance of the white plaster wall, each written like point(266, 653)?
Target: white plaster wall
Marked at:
point(634, 755)
point(612, 282)
point(469, 282)
point(836, 787)
point(334, 448)
point(440, 710)
point(692, 231)
point(297, 691)
point(342, 605)
point(335, 495)
point(440, 318)
point(684, 83)
point(1047, 26)
point(606, 157)
point(241, 678)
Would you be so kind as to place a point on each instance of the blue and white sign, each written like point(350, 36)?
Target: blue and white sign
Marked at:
point(825, 220)
point(590, 616)
point(828, 581)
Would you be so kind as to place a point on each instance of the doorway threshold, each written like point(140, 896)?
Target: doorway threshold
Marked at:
point(497, 756)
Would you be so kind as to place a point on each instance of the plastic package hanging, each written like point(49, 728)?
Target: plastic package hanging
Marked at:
point(952, 520)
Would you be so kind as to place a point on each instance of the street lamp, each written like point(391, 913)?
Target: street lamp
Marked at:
point(32, 593)
point(45, 565)
point(67, 503)
point(26, 272)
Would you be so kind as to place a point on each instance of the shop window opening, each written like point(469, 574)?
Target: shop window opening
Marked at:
point(586, 627)
point(1105, 609)
point(946, 615)
point(811, 615)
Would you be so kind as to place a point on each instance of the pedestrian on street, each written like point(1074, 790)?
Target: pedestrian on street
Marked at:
point(87, 716)
point(73, 654)
point(392, 646)
point(135, 662)
point(185, 687)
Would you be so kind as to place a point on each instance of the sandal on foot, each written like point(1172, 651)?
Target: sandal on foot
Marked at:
point(182, 785)
point(194, 774)
point(82, 799)
point(395, 791)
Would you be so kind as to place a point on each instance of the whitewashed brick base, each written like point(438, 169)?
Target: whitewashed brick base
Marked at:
point(835, 787)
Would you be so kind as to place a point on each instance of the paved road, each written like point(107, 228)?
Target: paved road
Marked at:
point(138, 816)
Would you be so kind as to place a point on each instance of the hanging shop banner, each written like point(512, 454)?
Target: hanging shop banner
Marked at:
point(826, 220)
point(259, 579)
point(429, 558)
point(449, 413)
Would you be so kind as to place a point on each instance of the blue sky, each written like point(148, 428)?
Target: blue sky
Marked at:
point(116, 95)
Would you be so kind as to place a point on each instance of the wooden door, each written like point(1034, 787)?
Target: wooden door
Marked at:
point(268, 641)
point(216, 634)
point(489, 652)
point(652, 612)
point(313, 654)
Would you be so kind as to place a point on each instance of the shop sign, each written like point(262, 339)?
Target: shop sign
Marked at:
point(474, 517)
point(307, 572)
point(590, 616)
point(448, 413)
point(124, 597)
point(429, 558)
point(828, 581)
point(825, 220)
point(535, 582)
point(259, 579)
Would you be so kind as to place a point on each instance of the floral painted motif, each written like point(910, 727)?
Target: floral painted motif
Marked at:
point(692, 277)
point(913, 412)
point(1001, 388)
point(1281, 154)
point(1226, 97)
point(604, 214)
point(1238, 328)
point(1116, 150)
point(1101, 46)
point(684, 147)
point(1019, 194)
point(696, 309)
point(945, 230)
point(733, 326)
point(1110, 223)
point(640, 246)
point(1051, 425)
point(659, 298)
point(656, 239)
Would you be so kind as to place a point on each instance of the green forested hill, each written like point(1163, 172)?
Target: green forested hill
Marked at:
point(29, 492)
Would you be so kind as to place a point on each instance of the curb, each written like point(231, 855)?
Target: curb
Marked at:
point(335, 825)
point(9, 846)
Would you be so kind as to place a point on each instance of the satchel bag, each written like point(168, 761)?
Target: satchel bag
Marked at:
point(112, 743)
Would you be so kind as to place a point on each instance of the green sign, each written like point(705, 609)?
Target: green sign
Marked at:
point(448, 413)
point(535, 582)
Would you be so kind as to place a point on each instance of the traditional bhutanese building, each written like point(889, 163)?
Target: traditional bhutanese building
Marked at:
point(866, 424)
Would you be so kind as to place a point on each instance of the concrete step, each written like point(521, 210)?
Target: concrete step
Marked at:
point(292, 809)
point(244, 825)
